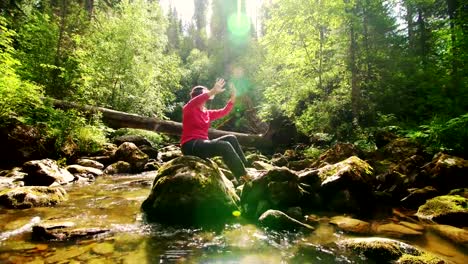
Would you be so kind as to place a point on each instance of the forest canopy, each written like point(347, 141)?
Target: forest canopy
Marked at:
point(343, 67)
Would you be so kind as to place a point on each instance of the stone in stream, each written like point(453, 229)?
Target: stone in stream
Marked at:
point(90, 163)
point(446, 209)
point(445, 173)
point(11, 178)
point(82, 170)
point(66, 231)
point(347, 186)
point(278, 220)
point(32, 196)
point(351, 225)
point(384, 250)
point(454, 234)
point(395, 230)
point(278, 188)
point(45, 172)
point(130, 153)
point(118, 167)
point(190, 191)
point(150, 151)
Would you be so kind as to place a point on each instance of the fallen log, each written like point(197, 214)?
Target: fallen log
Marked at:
point(116, 119)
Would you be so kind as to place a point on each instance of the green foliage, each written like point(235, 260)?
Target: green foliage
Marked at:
point(312, 152)
point(17, 98)
point(440, 135)
point(122, 61)
point(72, 132)
point(156, 139)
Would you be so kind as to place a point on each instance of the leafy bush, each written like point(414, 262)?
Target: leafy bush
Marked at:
point(17, 97)
point(440, 135)
point(153, 137)
point(312, 152)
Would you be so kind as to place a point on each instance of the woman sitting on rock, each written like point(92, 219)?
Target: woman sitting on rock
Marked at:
point(196, 121)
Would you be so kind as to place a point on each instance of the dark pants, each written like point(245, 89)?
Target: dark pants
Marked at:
point(226, 146)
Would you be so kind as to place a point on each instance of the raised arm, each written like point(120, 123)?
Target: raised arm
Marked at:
point(200, 99)
point(218, 113)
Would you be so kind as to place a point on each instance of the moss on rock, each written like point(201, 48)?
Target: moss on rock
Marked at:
point(446, 209)
point(424, 258)
point(32, 196)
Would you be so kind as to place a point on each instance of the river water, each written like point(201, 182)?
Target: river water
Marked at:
point(114, 203)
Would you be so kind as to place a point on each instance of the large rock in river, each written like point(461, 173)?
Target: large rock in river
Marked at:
point(190, 191)
point(347, 186)
point(45, 172)
point(279, 188)
point(446, 209)
point(445, 172)
point(130, 153)
point(32, 196)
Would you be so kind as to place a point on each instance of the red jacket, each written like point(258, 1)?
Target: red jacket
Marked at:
point(195, 122)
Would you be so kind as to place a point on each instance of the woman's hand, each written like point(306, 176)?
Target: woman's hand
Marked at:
point(233, 92)
point(218, 87)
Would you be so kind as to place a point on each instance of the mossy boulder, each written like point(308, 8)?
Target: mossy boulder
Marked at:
point(418, 197)
point(130, 153)
point(278, 188)
point(446, 209)
point(400, 149)
point(347, 186)
point(424, 258)
point(45, 172)
point(118, 167)
point(380, 250)
point(190, 191)
point(32, 196)
point(445, 173)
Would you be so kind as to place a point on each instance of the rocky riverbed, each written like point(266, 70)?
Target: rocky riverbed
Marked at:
point(135, 204)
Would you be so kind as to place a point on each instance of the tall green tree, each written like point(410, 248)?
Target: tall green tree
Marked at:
point(123, 63)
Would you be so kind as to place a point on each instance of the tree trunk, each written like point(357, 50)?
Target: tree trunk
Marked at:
point(117, 119)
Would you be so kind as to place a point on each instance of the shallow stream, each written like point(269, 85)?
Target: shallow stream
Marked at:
point(114, 203)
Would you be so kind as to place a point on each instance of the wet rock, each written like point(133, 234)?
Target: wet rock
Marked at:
point(169, 153)
point(454, 234)
point(45, 172)
point(339, 152)
point(104, 160)
point(150, 151)
point(137, 140)
point(347, 186)
point(351, 225)
point(82, 170)
point(396, 230)
point(279, 188)
point(190, 191)
point(108, 149)
point(278, 220)
point(130, 153)
point(445, 172)
point(447, 209)
point(32, 196)
point(11, 179)
point(278, 161)
point(295, 212)
point(418, 197)
point(381, 250)
point(65, 231)
point(118, 167)
point(90, 163)
point(152, 165)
